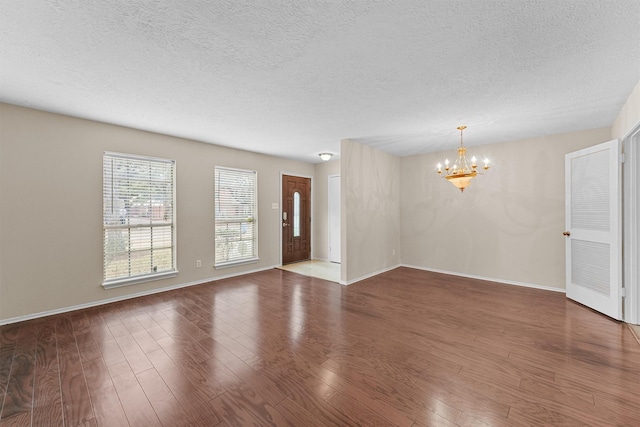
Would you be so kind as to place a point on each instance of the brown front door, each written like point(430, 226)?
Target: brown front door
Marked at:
point(296, 219)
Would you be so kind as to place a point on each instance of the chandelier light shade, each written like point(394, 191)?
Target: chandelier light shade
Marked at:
point(325, 156)
point(463, 170)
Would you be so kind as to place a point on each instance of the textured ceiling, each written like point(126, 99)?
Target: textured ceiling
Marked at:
point(292, 78)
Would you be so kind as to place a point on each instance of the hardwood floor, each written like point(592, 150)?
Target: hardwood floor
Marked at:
point(405, 348)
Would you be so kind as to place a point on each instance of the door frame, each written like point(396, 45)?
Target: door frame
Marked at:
point(299, 175)
point(631, 225)
point(339, 237)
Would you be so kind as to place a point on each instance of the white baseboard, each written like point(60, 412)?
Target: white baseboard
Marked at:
point(226, 276)
point(126, 297)
point(384, 270)
point(489, 279)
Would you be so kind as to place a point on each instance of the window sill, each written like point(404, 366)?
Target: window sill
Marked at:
point(236, 263)
point(138, 279)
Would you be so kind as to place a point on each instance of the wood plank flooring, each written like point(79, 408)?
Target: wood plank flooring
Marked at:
point(405, 348)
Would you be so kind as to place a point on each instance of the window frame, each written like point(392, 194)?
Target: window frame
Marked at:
point(253, 258)
point(147, 276)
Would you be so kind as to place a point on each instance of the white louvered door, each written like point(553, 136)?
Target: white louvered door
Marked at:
point(593, 227)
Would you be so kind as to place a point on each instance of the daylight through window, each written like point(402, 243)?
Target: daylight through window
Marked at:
point(138, 218)
point(236, 228)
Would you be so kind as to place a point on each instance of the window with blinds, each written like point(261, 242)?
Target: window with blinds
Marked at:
point(236, 228)
point(138, 219)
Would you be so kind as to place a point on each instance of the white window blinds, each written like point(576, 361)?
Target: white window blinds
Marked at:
point(236, 228)
point(138, 219)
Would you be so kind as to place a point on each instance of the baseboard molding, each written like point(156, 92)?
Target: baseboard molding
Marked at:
point(126, 297)
point(227, 276)
point(384, 270)
point(489, 279)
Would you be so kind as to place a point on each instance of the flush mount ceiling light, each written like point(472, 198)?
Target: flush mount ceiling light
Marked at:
point(325, 156)
point(463, 170)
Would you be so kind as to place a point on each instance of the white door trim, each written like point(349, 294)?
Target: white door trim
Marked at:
point(631, 233)
point(335, 239)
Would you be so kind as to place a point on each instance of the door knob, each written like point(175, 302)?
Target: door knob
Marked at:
point(566, 233)
point(284, 224)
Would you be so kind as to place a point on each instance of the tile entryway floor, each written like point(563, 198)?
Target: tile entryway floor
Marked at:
point(316, 268)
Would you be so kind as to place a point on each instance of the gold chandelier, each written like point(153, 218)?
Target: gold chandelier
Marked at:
point(463, 170)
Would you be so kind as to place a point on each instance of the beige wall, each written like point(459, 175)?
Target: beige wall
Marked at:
point(51, 207)
point(507, 225)
point(629, 115)
point(370, 191)
point(321, 207)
